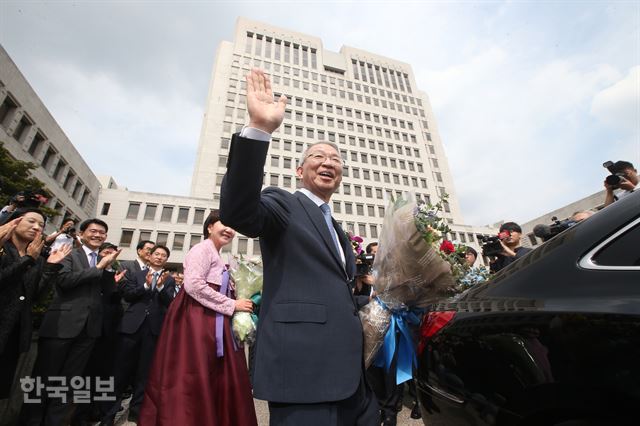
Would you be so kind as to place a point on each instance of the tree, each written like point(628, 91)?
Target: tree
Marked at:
point(15, 176)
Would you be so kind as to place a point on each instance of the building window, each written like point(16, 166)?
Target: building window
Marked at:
point(178, 242)
point(126, 237)
point(22, 128)
point(83, 199)
point(132, 212)
point(7, 109)
point(183, 214)
point(198, 217)
point(348, 208)
point(167, 212)
point(105, 209)
point(76, 190)
point(194, 239)
point(242, 245)
point(150, 212)
point(56, 173)
point(162, 238)
point(144, 236)
point(36, 144)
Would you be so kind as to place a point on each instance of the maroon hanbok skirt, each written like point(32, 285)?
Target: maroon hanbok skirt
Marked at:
point(188, 384)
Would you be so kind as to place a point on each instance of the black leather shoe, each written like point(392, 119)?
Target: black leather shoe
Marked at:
point(390, 421)
point(415, 412)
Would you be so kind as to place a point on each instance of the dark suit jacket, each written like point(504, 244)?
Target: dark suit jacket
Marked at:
point(309, 344)
point(145, 304)
point(132, 267)
point(79, 290)
point(22, 281)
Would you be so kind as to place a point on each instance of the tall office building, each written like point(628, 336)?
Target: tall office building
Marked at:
point(368, 104)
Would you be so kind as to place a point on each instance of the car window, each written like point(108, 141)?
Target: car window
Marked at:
point(622, 251)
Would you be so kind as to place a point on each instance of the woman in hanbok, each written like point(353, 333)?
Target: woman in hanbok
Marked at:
point(199, 374)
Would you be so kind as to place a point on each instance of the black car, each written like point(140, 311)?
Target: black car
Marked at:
point(553, 339)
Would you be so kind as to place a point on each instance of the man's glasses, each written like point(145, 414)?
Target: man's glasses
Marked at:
point(321, 158)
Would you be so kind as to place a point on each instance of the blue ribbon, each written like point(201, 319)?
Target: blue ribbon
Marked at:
point(256, 299)
point(403, 343)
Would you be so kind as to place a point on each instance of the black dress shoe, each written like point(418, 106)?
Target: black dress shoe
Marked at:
point(390, 421)
point(415, 412)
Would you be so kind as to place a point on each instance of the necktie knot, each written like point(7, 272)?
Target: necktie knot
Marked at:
point(325, 209)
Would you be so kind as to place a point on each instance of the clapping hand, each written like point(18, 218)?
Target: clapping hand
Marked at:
point(264, 113)
point(58, 254)
point(119, 276)
point(106, 261)
point(6, 230)
point(35, 247)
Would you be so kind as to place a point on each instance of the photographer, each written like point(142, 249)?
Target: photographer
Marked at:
point(363, 283)
point(624, 180)
point(510, 234)
point(66, 235)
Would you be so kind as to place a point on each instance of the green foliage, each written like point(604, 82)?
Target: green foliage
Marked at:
point(429, 222)
point(15, 176)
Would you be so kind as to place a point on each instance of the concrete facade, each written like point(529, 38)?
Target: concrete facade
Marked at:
point(30, 133)
point(170, 220)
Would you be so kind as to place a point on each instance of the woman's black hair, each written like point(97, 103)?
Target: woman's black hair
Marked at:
point(213, 217)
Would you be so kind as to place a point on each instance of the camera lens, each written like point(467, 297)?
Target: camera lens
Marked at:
point(613, 180)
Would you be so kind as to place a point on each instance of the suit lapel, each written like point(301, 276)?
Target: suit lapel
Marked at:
point(317, 219)
point(82, 258)
point(346, 247)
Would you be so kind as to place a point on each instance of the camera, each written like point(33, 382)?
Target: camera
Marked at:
point(46, 251)
point(546, 232)
point(28, 199)
point(364, 264)
point(615, 177)
point(491, 245)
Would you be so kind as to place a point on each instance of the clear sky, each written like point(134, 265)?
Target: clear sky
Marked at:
point(530, 97)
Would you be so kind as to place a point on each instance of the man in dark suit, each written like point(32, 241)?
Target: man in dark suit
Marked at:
point(143, 250)
point(101, 362)
point(309, 349)
point(73, 321)
point(149, 295)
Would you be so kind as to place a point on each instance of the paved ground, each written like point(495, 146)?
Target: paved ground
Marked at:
point(262, 411)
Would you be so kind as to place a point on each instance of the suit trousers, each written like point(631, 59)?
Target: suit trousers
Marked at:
point(134, 355)
point(100, 364)
point(360, 409)
point(383, 382)
point(57, 357)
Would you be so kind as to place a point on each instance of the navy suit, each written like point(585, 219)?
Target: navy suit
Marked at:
point(138, 332)
point(309, 345)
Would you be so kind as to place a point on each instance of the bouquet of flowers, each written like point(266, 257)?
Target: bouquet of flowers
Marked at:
point(410, 274)
point(247, 276)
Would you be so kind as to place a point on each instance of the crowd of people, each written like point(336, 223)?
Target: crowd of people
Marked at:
point(114, 327)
